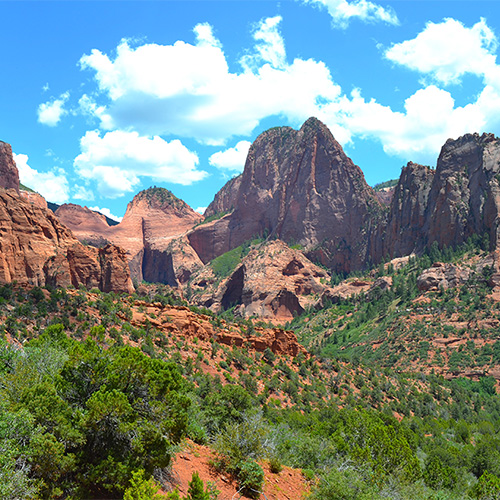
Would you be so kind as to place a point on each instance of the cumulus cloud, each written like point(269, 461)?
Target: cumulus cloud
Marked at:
point(200, 210)
point(117, 160)
point(429, 118)
point(188, 90)
point(107, 212)
point(82, 193)
point(51, 112)
point(205, 35)
point(448, 50)
point(232, 159)
point(269, 47)
point(343, 11)
point(53, 185)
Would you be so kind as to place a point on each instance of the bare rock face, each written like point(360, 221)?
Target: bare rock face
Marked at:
point(35, 198)
point(225, 199)
point(385, 195)
point(172, 264)
point(300, 187)
point(9, 175)
point(36, 249)
point(272, 282)
point(154, 218)
point(457, 200)
point(403, 233)
point(465, 194)
point(442, 276)
point(88, 226)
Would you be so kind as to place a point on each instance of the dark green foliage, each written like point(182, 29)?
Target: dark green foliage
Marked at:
point(250, 478)
point(487, 488)
point(196, 489)
point(100, 415)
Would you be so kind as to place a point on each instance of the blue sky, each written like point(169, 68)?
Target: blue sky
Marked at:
point(102, 99)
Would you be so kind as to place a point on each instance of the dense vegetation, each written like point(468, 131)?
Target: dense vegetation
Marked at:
point(84, 414)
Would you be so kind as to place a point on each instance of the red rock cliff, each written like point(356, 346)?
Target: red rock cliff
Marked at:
point(300, 187)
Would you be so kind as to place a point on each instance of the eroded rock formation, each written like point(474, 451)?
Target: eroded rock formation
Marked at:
point(298, 186)
point(36, 249)
point(154, 218)
point(9, 175)
point(273, 282)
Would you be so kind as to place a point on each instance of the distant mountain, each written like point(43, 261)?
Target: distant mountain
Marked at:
point(153, 219)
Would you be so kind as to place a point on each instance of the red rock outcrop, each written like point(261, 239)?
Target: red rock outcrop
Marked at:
point(35, 198)
point(88, 226)
point(298, 186)
point(272, 282)
point(457, 200)
point(154, 218)
point(225, 199)
point(36, 249)
point(402, 233)
point(442, 276)
point(182, 322)
point(465, 195)
point(385, 195)
point(9, 175)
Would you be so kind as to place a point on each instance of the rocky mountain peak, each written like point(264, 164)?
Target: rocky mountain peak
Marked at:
point(301, 187)
point(9, 175)
point(160, 198)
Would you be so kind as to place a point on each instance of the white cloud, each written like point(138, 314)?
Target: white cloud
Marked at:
point(270, 46)
point(51, 112)
point(117, 160)
point(448, 50)
point(205, 36)
point(82, 193)
point(343, 11)
point(53, 185)
point(107, 212)
point(200, 210)
point(188, 90)
point(231, 159)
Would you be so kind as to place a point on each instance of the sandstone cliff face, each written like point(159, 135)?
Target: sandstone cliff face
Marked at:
point(9, 175)
point(88, 226)
point(272, 282)
point(465, 195)
point(35, 198)
point(154, 218)
point(385, 195)
point(300, 187)
point(36, 249)
point(402, 233)
point(225, 199)
point(460, 198)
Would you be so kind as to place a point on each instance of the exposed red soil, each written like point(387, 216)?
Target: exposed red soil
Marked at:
point(289, 484)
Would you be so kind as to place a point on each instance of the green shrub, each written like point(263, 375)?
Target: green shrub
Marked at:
point(141, 488)
point(250, 478)
point(275, 465)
